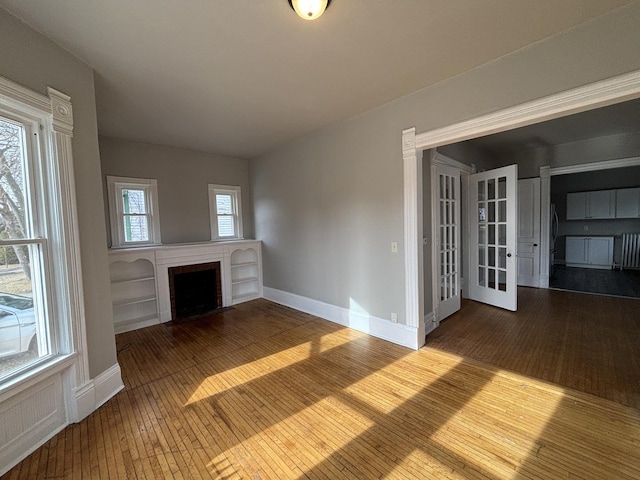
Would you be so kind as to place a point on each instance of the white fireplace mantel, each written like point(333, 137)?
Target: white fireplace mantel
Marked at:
point(140, 277)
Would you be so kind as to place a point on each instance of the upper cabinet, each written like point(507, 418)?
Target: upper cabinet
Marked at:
point(591, 205)
point(628, 203)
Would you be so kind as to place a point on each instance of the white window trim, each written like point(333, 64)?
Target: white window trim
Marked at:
point(54, 116)
point(236, 192)
point(150, 187)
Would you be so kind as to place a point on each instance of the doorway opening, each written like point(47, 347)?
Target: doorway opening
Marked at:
point(592, 96)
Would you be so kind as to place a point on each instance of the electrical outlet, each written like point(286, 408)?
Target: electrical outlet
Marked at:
point(394, 317)
point(394, 247)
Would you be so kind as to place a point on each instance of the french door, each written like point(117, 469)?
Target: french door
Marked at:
point(493, 232)
point(447, 237)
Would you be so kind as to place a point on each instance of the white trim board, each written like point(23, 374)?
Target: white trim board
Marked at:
point(595, 166)
point(598, 94)
point(393, 332)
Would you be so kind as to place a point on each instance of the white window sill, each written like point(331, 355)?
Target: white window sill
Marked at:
point(36, 374)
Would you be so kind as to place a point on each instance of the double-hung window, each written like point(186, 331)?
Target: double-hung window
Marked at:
point(133, 207)
point(25, 329)
point(41, 315)
point(226, 212)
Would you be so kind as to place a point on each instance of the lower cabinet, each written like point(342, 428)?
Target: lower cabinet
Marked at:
point(589, 252)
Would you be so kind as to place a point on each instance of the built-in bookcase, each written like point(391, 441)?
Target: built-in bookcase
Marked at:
point(245, 275)
point(140, 290)
point(133, 292)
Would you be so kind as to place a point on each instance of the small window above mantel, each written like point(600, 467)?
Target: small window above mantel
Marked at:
point(225, 212)
point(133, 211)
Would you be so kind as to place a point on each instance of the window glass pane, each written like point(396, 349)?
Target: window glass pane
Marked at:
point(224, 204)
point(502, 280)
point(136, 228)
point(502, 234)
point(492, 211)
point(21, 319)
point(502, 211)
point(491, 188)
point(482, 212)
point(481, 194)
point(13, 205)
point(225, 226)
point(134, 201)
point(502, 257)
point(502, 187)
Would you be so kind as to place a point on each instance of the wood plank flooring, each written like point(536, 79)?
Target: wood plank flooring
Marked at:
point(262, 391)
point(586, 342)
point(621, 283)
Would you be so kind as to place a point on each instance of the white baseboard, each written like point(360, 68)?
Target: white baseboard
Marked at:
point(97, 392)
point(378, 327)
point(107, 384)
point(429, 324)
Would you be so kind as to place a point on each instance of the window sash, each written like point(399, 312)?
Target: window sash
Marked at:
point(219, 220)
point(34, 219)
point(121, 226)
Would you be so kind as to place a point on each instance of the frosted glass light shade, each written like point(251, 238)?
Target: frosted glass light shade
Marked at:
point(309, 9)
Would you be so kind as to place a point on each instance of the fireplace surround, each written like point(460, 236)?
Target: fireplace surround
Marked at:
point(195, 289)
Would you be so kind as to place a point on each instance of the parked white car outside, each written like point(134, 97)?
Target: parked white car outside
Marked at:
point(17, 324)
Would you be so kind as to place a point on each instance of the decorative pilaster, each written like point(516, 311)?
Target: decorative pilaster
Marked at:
point(414, 304)
point(62, 126)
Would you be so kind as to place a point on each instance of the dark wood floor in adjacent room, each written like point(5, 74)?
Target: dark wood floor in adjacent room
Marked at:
point(262, 391)
point(621, 283)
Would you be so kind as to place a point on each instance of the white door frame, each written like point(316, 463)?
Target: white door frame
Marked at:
point(598, 94)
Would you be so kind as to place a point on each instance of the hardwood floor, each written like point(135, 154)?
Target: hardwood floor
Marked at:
point(621, 283)
point(586, 342)
point(262, 391)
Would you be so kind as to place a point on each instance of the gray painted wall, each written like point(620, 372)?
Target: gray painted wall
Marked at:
point(28, 58)
point(328, 205)
point(183, 177)
point(586, 181)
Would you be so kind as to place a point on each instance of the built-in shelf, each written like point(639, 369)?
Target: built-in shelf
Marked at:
point(133, 301)
point(245, 297)
point(244, 280)
point(246, 277)
point(133, 280)
point(140, 279)
point(244, 264)
point(133, 291)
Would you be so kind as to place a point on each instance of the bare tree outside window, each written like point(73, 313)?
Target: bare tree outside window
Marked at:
point(135, 215)
point(18, 323)
point(12, 197)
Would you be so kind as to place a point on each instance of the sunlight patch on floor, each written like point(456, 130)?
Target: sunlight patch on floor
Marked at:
point(398, 386)
point(250, 371)
point(499, 447)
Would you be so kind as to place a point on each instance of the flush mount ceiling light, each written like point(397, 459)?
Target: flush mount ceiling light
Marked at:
point(309, 9)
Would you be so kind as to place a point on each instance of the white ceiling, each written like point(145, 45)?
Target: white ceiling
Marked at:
point(239, 77)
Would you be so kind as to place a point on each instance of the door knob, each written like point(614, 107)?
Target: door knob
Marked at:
point(535, 244)
point(509, 255)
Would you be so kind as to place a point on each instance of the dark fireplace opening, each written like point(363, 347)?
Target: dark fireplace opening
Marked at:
point(195, 289)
